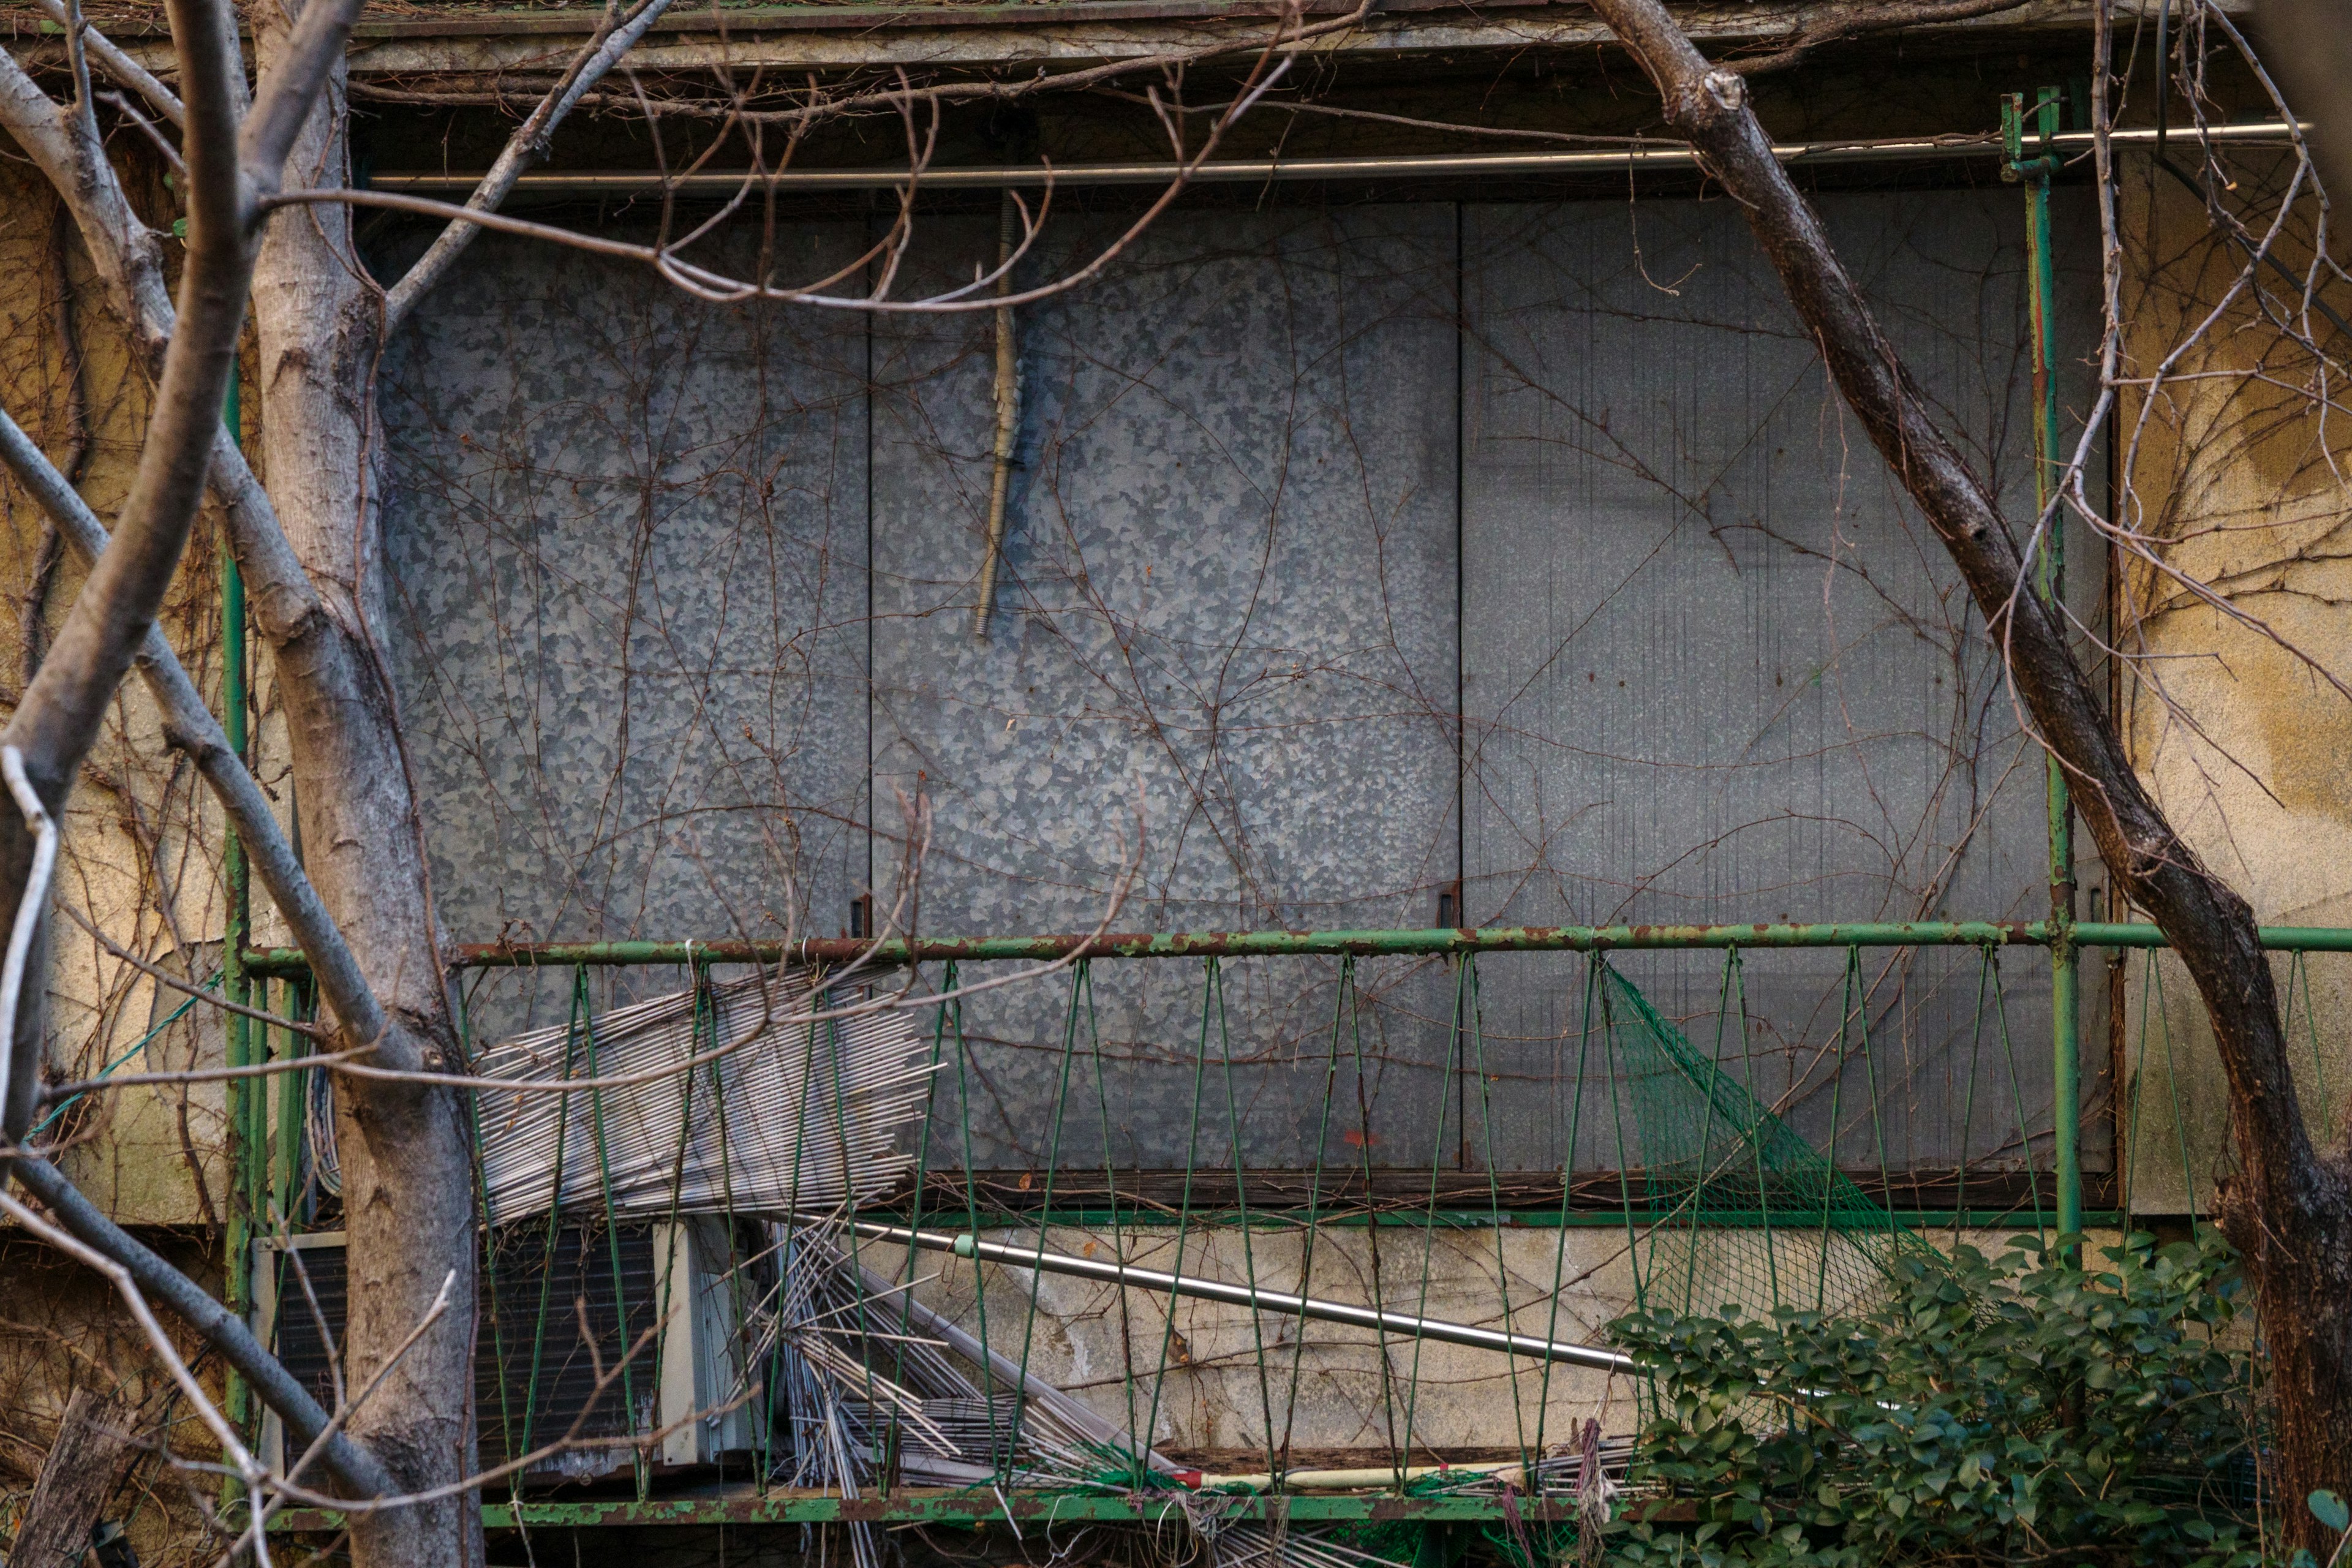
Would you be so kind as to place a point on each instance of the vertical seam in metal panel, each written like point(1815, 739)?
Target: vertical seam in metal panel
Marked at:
point(865, 400)
point(1461, 634)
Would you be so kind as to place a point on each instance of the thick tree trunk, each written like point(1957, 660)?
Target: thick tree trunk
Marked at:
point(404, 1148)
point(2289, 1206)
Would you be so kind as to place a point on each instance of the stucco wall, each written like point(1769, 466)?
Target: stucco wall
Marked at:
point(2232, 715)
point(140, 858)
point(141, 852)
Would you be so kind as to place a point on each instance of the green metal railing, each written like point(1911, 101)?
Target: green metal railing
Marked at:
point(1433, 941)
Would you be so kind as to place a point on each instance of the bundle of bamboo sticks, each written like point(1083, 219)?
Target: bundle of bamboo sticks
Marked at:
point(738, 1099)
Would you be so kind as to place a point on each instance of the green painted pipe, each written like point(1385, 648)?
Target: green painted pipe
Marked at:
point(248, 1141)
point(1441, 942)
point(2277, 939)
point(2065, 960)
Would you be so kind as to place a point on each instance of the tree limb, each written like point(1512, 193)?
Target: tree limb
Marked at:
point(290, 90)
point(119, 66)
point(2287, 1209)
point(125, 253)
point(353, 1468)
point(527, 147)
point(189, 725)
point(58, 721)
point(286, 605)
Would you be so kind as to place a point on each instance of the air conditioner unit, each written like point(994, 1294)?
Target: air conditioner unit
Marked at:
point(688, 1284)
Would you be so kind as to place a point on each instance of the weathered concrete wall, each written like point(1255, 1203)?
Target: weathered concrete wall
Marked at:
point(1354, 1389)
point(2238, 476)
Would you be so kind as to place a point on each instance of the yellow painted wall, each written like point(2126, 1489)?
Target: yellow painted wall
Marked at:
point(140, 859)
point(141, 855)
point(2238, 462)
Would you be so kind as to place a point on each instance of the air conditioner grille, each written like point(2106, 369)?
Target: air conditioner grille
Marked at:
point(530, 1306)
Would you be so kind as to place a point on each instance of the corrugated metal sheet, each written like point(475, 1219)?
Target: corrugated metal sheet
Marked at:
point(626, 556)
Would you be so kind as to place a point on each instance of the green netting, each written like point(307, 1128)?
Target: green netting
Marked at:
point(1740, 1209)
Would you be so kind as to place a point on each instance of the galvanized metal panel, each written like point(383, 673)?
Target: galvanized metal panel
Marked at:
point(626, 547)
point(1717, 668)
point(623, 526)
point(1228, 602)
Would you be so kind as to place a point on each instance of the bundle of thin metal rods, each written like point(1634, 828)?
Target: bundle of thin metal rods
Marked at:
point(863, 1359)
point(787, 1112)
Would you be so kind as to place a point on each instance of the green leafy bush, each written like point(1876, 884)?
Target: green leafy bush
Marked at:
point(2017, 1410)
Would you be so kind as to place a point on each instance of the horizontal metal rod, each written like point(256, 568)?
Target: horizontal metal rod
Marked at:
point(964, 1244)
point(2278, 939)
point(1662, 155)
point(1443, 941)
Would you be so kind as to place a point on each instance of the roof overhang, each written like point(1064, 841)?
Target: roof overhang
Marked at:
point(1023, 37)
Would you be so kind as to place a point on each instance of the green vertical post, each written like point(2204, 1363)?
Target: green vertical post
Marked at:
point(247, 1099)
point(2066, 966)
point(285, 1157)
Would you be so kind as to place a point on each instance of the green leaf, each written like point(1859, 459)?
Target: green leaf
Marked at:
point(2329, 1510)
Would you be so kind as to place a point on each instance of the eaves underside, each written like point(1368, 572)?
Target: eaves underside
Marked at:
point(410, 41)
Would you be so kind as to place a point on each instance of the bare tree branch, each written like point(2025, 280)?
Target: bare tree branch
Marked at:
point(613, 38)
point(127, 255)
point(117, 65)
point(721, 289)
point(351, 1466)
point(162, 977)
point(290, 90)
point(189, 725)
point(232, 1448)
point(57, 721)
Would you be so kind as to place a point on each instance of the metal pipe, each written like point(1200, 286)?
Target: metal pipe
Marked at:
point(965, 1244)
point(1402, 166)
point(2049, 585)
point(1442, 942)
point(2274, 939)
